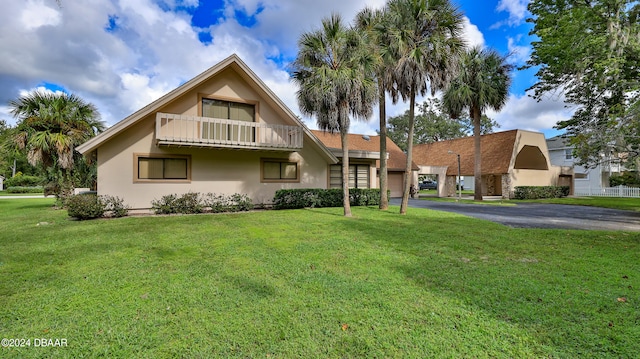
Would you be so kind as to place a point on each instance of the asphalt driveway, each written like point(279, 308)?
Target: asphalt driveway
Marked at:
point(538, 215)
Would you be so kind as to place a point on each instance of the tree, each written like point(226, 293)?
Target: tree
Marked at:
point(375, 26)
point(427, 38)
point(589, 51)
point(335, 75)
point(50, 126)
point(432, 124)
point(483, 82)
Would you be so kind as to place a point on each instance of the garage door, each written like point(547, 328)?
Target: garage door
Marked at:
point(396, 180)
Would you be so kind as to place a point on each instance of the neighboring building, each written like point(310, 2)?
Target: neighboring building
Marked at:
point(585, 179)
point(509, 159)
point(364, 162)
point(223, 132)
point(1, 183)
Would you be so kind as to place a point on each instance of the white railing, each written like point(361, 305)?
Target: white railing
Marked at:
point(620, 191)
point(217, 132)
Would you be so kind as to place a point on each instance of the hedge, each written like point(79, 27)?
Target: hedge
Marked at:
point(20, 180)
point(316, 197)
point(538, 192)
point(25, 189)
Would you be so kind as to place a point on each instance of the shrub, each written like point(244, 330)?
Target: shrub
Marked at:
point(626, 179)
point(85, 206)
point(538, 192)
point(165, 205)
point(23, 189)
point(20, 180)
point(115, 206)
point(315, 197)
point(194, 202)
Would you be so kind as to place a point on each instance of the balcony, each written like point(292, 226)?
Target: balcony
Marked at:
point(181, 130)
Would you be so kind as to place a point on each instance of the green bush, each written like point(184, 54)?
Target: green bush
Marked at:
point(630, 179)
point(85, 206)
point(316, 197)
point(23, 189)
point(20, 180)
point(115, 206)
point(539, 192)
point(194, 202)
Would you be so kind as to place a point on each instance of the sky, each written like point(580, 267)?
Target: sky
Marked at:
point(121, 55)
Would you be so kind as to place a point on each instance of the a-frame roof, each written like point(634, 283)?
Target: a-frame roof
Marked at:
point(496, 151)
point(242, 69)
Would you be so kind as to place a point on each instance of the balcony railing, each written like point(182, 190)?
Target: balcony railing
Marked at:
point(173, 129)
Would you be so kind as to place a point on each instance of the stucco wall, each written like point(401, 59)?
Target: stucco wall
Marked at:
point(222, 171)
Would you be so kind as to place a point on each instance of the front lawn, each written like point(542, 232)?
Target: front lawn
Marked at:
point(629, 204)
point(311, 283)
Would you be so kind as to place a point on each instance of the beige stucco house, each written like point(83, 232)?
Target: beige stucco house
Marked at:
point(509, 159)
point(224, 132)
point(364, 161)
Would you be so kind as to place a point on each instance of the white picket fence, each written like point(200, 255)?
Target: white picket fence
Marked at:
point(620, 191)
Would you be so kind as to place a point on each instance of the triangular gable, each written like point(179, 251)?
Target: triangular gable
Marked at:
point(232, 61)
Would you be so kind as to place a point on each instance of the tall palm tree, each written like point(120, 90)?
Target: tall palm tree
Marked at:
point(374, 25)
point(483, 82)
point(334, 72)
point(51, 125)
point(428, 39)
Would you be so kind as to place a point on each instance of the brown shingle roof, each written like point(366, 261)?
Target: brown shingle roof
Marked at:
point(397, 159)
point(497, 149)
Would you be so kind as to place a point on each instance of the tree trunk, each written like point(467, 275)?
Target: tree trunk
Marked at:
point(407, 174)
point(345, 173)
point(477, 168)
point(384, 199)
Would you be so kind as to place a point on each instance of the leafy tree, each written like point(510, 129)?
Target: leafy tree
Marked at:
point(427, 37)
point(433, 125)
point(335, 74)
point(483, 82)
point(589, 51)
point(49, 127)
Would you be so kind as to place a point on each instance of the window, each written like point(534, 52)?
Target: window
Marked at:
point(228, 110)
point(581, 176)
point(279, 170)
point(568, 154)
point(163, 168)
point(358, 176)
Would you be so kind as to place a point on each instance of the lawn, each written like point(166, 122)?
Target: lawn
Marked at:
point(629, 204)
point(311, 283)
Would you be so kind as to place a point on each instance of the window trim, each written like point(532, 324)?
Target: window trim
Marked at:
point(137, 156)
point(281, 161)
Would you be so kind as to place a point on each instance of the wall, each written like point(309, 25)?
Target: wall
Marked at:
point(222, 171)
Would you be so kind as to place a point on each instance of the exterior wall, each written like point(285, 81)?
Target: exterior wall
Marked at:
point(595, 178)
point(441, 172)
point(531, 177)
point(213, 170)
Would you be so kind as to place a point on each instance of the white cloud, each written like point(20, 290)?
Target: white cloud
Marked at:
point(472, 34)
point(36, 13)
point(517, 10)
point(524, 112)
point(518, 54)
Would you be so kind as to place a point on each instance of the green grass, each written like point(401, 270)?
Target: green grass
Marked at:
point(470, 201)
point(311, 283)
point(5, 193)
point(629, 204)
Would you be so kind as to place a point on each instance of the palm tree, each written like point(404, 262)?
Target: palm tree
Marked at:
point(374, 25)
point(334, 72)
point(50, 125)
point(483, 82)
point(428, 39)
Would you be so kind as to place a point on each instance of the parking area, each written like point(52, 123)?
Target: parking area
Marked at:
point(538, 215)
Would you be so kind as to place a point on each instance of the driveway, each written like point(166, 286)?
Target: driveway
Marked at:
point(538, 215)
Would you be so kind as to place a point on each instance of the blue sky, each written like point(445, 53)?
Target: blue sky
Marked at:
point(121, 55)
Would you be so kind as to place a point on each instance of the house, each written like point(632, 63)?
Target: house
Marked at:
point(585, 179)
point(223, 131)
point(1, 182)
point(364, 161)
point(509, 159)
